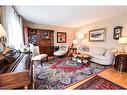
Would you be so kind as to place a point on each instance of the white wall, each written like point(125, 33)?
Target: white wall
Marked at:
point(109, 24)
point(70, 32)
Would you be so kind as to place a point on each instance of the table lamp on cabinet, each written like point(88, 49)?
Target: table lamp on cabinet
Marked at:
point(123, 42)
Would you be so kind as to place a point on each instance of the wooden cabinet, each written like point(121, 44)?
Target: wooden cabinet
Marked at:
point(33, 36)
point(121, 62)
point(42, 38)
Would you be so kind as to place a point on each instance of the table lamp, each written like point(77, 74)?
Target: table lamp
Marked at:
point(123, 41)
point(74, 42)
point(73, 45)
point(2, 34)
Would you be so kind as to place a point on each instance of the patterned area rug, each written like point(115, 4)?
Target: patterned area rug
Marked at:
point(60, 73)
point(68, 65)
point(98, 82)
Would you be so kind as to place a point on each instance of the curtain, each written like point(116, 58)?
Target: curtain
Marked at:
point(13, 26)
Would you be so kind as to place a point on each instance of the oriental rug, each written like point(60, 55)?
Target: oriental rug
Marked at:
point(60, 73)
point(99, 83)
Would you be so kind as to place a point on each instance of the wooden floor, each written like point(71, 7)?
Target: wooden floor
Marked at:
point(111, 74)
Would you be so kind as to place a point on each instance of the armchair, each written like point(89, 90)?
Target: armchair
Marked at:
point(61, 51)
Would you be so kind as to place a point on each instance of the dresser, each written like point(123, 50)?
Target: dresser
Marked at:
point(121, 62)
point(46, 41)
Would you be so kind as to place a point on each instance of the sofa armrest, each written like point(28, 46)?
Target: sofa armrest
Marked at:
point(109, 56)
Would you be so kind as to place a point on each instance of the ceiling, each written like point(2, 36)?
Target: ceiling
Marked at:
point(69, 16)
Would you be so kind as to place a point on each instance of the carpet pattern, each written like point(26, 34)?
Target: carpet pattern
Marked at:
point(59, 73)
point(100, 83)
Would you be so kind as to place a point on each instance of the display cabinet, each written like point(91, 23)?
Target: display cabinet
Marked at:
point(42, 38)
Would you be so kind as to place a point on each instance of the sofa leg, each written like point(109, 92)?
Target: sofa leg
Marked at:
point(41, 63)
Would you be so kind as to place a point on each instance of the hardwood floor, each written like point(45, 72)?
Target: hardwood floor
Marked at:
point(111, 74)
point(115, 76)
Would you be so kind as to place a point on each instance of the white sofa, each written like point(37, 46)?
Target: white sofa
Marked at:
point(98, 55)
point(63, 49)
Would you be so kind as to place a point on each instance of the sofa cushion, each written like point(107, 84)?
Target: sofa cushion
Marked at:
point(98, 56)
point(97, 50)
point(100, 61)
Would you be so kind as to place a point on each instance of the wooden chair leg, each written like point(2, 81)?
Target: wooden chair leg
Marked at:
point(41, 63)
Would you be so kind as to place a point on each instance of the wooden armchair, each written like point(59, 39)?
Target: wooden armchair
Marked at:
point(14, 80)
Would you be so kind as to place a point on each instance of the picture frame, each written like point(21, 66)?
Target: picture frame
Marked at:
point(97, 35)
point(117, 32)
point(61, 37)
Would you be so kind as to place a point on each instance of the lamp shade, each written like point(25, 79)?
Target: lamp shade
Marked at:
point(2, 31)
point(80, 36)
point(74, 41)
point(123, 40)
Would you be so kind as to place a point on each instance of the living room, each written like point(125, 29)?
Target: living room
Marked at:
point(63, 53)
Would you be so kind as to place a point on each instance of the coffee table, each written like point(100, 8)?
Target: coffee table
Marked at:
point(81, 58)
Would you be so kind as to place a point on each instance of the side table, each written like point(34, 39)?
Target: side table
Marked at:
point(74, 50)
point(121, 62)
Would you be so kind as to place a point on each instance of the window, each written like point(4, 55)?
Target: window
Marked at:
point(13, 25)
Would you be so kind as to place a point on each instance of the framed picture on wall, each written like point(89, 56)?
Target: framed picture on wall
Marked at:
point(117, 32)
point(97, 35)
point(61, 37)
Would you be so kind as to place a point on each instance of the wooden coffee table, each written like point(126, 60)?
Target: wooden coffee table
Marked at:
point(81, 58)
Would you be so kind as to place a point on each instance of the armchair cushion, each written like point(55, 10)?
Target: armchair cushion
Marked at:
point(62, 51)
point(39, 57)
